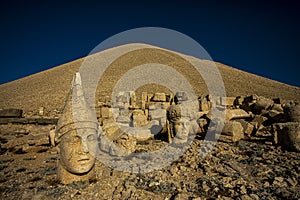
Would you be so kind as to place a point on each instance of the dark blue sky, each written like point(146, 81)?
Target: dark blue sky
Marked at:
point(261, 37)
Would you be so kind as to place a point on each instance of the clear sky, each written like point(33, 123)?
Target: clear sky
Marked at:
point(260, 37)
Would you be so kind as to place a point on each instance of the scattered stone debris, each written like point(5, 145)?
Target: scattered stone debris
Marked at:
point(256, 156)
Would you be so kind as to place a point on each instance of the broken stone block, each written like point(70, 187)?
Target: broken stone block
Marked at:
point(124, 120)
point(149, 97)
point(144, 100)
point(132, 99)
point(157, 114)
point(233, 129)
point(204, 104)
point(287, 135)
point(248, 107)
point(140, 134)
point(109, 127)
point(277, 107)
point(41, 111)
point(259, 120)
point(52, 136)
point(11, 112)
point(249, 128)
point(165, 105)
point(106, 113)
point(251, 98)
point(276, 116)
point(38, 140)
point(292, 112)
point(236, 114)
point(262, 103)
point(139, 118)
point(277, 100)
point(159, 97)
point(154, 106)
point(238, 101)
point(227, 101)
point(180, 96)
point(126, 142)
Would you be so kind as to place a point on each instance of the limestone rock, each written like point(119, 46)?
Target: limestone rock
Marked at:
point(287, 135)
point(158, 113)
point(238, 101)
point(140, 134)
point(249, 128)
point(276, 116)
point(204, 104)
point(234, 129)
point(126, 142)
point(236, 114)
point(259, 121)
point(159, 97)
point(139, 118)
point(262, 103)
point(292, 112)
point(11, 113)
point(227, 101)
point(106, 113)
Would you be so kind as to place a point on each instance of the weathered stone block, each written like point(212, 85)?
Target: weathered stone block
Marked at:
point(263, 103)
point(204, 105)
point(11, 113)
point(233, 129)
point(287, 135)
point(236, 114)
point(249, 128)
point(139, 119)
point(159, 97)
point(227, 101)
point(141, 134)
point(276, 116)
point(238, 101)
point(41, 111)
point(154, 106)
point(106, 113)
point(180, 96)
point(260, 121)
point(277, 107)
point(144, 100)
point(123, 119)
point(292, 112)
point(109, 127)
point(158, 113)
point(251, 98)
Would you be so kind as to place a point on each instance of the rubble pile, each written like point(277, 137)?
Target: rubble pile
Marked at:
point(256, 155)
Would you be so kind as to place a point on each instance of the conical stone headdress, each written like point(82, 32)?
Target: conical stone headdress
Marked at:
point(77, 115)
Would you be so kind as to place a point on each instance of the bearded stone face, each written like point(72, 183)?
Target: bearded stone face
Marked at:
point(77, 151)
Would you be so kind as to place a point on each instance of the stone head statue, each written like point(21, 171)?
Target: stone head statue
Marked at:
point(76, 135)
point(180, 124)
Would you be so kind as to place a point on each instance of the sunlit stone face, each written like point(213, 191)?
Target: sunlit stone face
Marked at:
point(181, 129)
point(76, 151)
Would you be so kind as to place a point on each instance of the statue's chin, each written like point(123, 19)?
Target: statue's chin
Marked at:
point(80, 167)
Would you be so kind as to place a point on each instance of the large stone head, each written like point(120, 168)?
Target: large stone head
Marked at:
point(77, 133)
point(180, 123)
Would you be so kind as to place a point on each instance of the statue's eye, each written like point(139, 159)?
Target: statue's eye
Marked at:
point(92, 137)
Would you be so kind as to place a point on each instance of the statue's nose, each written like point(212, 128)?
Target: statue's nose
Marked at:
point(84, 146)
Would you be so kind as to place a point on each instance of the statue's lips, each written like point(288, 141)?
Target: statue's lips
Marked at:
point(83, 160)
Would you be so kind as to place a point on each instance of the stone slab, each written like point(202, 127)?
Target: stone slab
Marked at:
point(11, 113)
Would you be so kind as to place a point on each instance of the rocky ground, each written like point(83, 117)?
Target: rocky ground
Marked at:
point(252, 168)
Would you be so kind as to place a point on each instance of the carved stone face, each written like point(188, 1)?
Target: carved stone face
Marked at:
point(75, 151)
point(181, 129)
